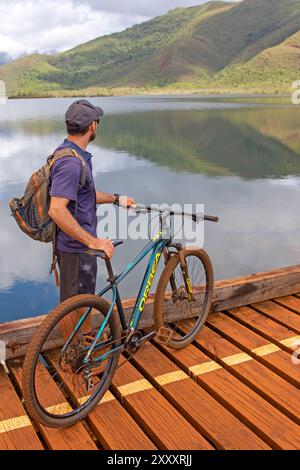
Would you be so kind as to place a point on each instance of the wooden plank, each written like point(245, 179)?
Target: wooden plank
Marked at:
point(72, 438)
point(292, 302)
point(166, 426)
point(205, 412)
point(228, 294)
point(256, 346)
point(18, 334)
point(259, 287)
point(117, 430)
point(110, 422)
point(257, 376)
point(274, 427)
point(265, 327)
point(16, 430)
point(281, 315)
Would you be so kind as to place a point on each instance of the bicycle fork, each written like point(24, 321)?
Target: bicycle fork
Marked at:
point(185, 274)
point(165, 334)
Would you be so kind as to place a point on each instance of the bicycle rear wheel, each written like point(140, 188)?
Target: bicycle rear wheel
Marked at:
point(188, 294)
point(58, 390)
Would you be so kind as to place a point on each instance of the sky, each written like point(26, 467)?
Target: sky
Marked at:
point(29, 26)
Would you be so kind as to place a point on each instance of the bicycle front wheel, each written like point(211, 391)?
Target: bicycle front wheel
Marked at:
point(183, 298)
point(59, 388)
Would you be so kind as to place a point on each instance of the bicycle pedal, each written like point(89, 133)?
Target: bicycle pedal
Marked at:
point(164, 335)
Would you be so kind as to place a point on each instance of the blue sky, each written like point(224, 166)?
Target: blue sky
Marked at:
point(48, 26)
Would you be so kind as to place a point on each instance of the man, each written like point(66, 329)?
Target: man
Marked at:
point(73, 209)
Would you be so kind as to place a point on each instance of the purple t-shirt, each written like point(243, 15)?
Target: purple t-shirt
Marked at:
point(65, 181)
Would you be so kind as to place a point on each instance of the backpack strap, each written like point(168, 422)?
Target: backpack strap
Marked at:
point(54, 258)
point(67, 152)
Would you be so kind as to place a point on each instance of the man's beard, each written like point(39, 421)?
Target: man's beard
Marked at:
point(93, 137)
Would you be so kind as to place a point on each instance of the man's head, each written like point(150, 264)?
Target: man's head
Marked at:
point(82, 119)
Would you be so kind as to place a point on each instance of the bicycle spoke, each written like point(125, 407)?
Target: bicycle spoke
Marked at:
point(188, 313)
point(62, 370)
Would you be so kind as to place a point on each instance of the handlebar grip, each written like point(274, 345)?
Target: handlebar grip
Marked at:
point(211, 218)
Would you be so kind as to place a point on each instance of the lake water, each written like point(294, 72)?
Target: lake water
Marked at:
point(241, 158)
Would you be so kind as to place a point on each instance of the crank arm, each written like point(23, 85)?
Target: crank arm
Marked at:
point(146, 338)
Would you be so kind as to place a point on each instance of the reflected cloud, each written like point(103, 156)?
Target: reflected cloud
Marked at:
point(21, 259)
point(22, 153)
point(291, 181)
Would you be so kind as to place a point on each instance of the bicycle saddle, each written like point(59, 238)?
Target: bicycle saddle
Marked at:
point(101, 253)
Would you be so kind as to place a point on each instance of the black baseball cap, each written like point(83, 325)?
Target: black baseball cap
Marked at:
point(81, 114)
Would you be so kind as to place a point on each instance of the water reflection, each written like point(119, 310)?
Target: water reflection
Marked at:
point(250, 144)
point(243, 163)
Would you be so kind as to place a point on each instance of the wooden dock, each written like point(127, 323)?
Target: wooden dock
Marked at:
point(236, 387)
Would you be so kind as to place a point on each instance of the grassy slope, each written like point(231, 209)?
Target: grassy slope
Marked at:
point(22, 76)
point(141, 55)
point(252, 46)
point(273, 70)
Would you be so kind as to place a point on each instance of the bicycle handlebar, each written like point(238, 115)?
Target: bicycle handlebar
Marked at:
point(139, 208)
point(211, 218)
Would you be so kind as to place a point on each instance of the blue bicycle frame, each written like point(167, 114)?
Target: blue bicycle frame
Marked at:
point(157, 246)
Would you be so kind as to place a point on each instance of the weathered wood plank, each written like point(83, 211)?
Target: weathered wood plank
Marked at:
point(291, 302)
point(206, 414)
point(166, 426)
point(16, 430)
point(275, 428)
point(256, 346)
point(269, 329)
point(110, 422)
point(72, 438)
point(281, 315)
point(258, 287)
point(228, 294)
point(257, 376)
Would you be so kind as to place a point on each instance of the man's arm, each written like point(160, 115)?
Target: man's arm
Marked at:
point(62, 217)
point(104, 198)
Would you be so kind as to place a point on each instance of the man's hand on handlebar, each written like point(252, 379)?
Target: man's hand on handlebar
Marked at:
point(126, 202)
point(104, 245)
point(142, 209)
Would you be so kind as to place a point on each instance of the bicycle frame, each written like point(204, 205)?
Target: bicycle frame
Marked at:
point(157, 246)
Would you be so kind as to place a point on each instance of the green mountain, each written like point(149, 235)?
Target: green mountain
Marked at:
point(249, 46)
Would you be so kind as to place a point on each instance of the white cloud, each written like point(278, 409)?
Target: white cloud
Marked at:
point(38, 26)
point(29, 26)
point(140, 7)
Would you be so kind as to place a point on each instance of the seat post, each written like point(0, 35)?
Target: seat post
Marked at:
point(109, 269)
point(118, 298)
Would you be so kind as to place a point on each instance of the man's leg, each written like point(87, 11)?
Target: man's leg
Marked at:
point(87, 274)
point(78, 275)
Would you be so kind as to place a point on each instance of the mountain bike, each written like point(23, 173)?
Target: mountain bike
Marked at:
point(81, 365)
